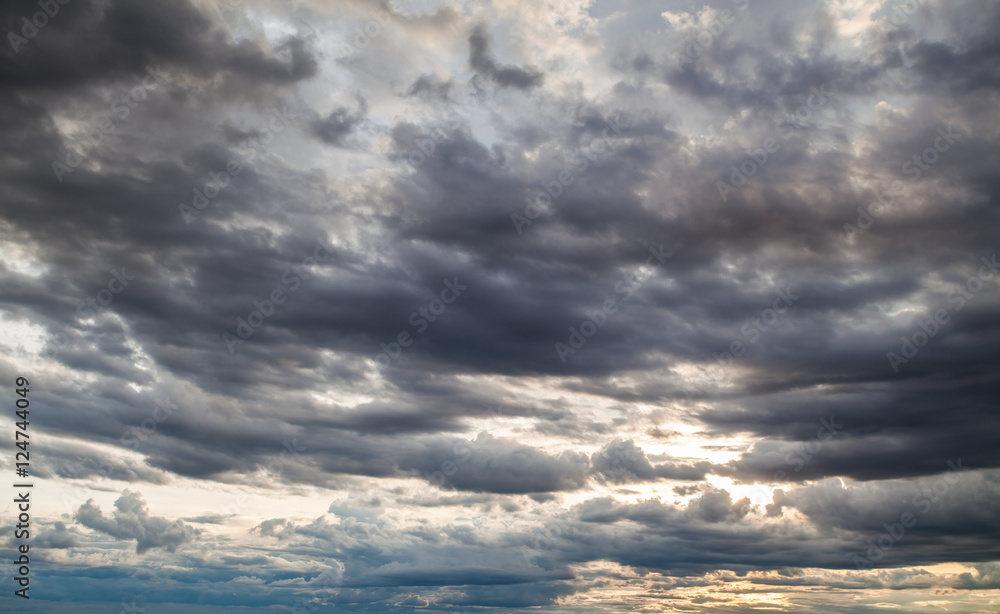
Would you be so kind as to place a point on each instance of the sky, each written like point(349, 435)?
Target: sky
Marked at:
point(583, 306)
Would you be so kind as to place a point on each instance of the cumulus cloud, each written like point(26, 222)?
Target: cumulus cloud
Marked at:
point(131, 520)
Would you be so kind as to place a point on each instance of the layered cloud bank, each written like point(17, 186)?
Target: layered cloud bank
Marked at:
point(566, 307)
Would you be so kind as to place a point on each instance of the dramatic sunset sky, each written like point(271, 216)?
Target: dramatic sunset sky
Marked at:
point(567, 306)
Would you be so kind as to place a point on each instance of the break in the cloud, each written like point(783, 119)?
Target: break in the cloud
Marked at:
point(578, 307)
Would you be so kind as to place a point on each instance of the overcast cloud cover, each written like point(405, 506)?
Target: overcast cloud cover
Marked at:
point(571, 306)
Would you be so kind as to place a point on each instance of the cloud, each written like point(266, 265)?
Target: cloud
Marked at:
point(338, 125)
point(60, 537)
point(132, 520)
point(481, 60)
point(441, 455)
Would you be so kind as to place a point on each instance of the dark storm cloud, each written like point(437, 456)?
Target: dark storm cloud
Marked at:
point(493, 316)
point(430, 87)
point(119, 39)
point(78, 463)
point(623, 171)
point(337, 126)
point(867, 448)
point(481, 60)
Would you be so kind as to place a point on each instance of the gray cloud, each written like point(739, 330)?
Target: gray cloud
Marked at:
point(482, 61)
point(132, 520)
point(353, 387)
